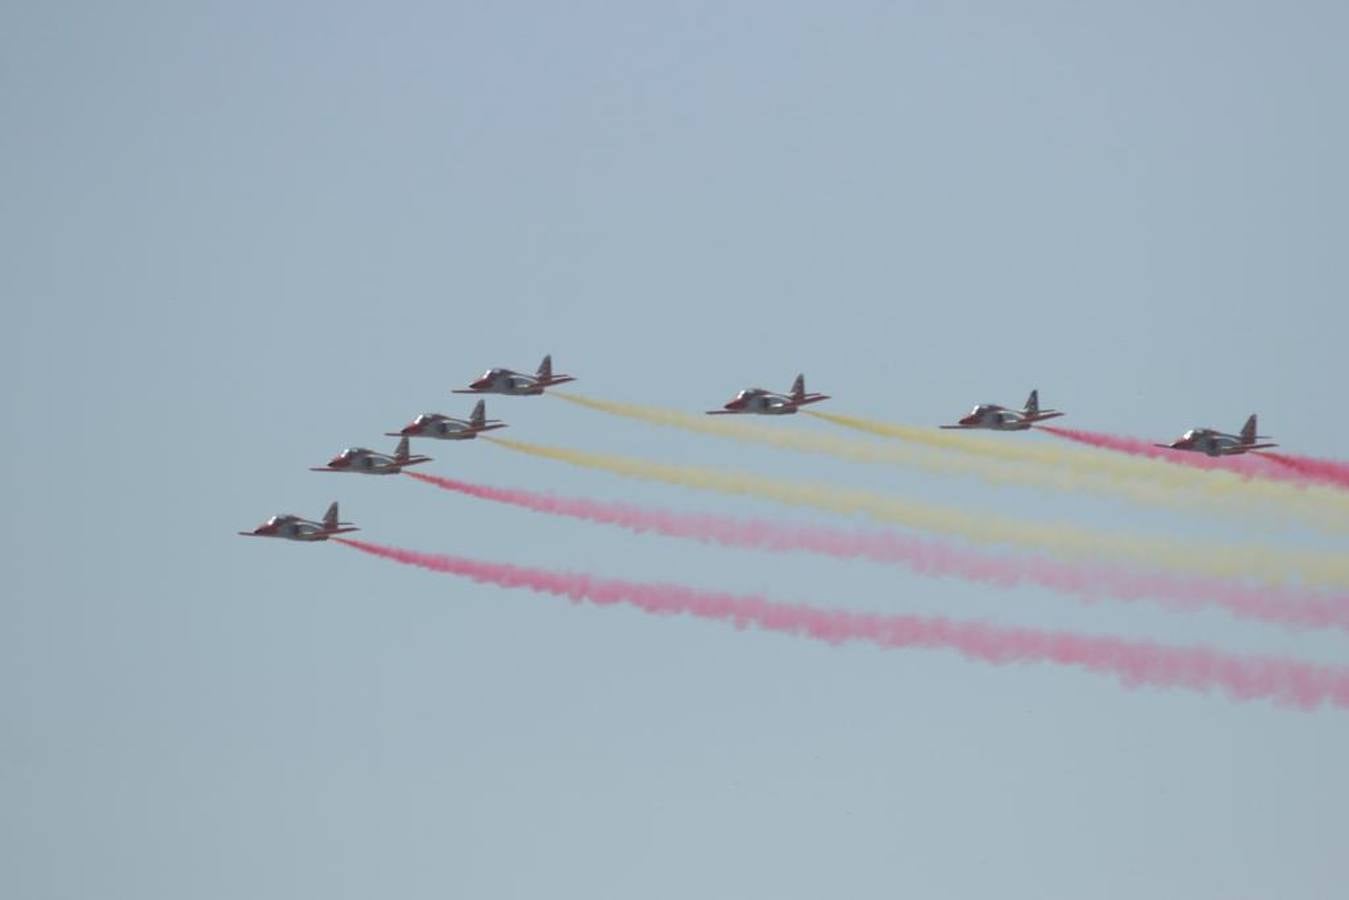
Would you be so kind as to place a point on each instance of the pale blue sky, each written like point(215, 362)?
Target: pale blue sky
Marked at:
point(239, 237)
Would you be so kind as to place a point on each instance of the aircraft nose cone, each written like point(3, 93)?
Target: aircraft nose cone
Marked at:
point(339, 462)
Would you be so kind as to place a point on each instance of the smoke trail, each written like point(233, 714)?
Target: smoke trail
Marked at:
point(1285, 682)
point(977, 445)
point(1228, 482)
point(1302, 470)
point(1240, 465)
point(1053, 468)
point(854, 451)
point(1280, 605)
point(1066, 540)
point(1309, 467)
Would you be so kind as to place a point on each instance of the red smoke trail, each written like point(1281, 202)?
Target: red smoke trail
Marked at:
point(1286, 682)
point(1251, 466)
point(1286, 606)
point(1327, 471)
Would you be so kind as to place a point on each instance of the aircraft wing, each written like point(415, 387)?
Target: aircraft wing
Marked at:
point(1237, 451)
point(1040, 417)
point(489, 427)
point(722, 412)
point(340, 531)
point(323, 469)
point(960, 427)
point(468, 391)
point(412, 461)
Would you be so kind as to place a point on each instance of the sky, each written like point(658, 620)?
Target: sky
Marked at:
point(242, 236)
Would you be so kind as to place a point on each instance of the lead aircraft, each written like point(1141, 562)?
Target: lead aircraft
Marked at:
point(368, 462)
point(1000, 418)
point(1212, 442)
point(446, 428)
point(516, 384)
point(757, 401)
point(294, 528)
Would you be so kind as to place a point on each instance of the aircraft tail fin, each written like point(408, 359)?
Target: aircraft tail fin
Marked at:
point(545, 371)
point(799, 388)
point(1248, 431)
point(1033, 403)
point(478, 417)
point(402, 451)
point(330, 517)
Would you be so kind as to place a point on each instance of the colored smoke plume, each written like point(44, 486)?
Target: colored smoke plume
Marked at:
point(1280, 605)
point(1269, 565)
point(1000, 462)
point(1132, 663)
point(1326, 471)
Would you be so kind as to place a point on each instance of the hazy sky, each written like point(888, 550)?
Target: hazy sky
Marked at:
point(239, 237)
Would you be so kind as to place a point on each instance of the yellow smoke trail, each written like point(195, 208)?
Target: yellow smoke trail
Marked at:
point(1055, 467)
point(1318, 505)
point(1066, 540)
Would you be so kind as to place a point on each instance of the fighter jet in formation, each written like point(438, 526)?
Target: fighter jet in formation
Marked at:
point(446, 428)
point(506, 381)
point(757, 401)
point(293, 528)
point(1218, 443)
point(1000, 418)
point(368, 462)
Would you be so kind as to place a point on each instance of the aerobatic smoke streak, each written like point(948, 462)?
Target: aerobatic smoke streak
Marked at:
point(854, 451)
point(1246, 467)
point(1285, 682)
point(1103, 475)
point(1228, 479)
point(1281, 605)
point(979, 445)
point(1328, 471)
point(1331, 570)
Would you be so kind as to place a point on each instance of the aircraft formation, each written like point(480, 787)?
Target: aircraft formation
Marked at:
point(749, 401)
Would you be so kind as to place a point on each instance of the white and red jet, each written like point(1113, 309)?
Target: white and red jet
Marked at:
point(757, 401)
point(1219, 443)
point(516, 384)
point(447, 428)
point(1000, 418)
point(293, 528)
point(368, 462)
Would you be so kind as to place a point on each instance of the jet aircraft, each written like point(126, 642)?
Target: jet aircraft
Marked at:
point(446, 428)
point(757, 401)
point(1000, 418)
point(517, 384)
point(1218, 443)
point(368, 462)
point(293, 528)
